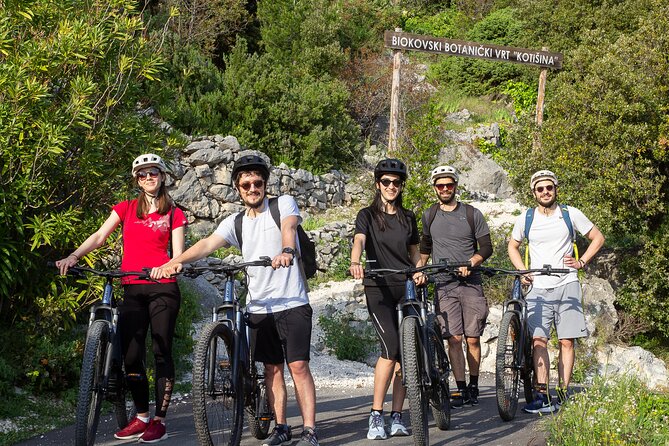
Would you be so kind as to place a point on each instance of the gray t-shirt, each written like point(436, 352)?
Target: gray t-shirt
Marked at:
point(453, 240)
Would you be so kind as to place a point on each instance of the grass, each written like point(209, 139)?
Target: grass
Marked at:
point(618, 411)
point(483, 110)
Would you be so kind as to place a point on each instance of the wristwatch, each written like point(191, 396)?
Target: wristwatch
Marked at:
point(290, 251)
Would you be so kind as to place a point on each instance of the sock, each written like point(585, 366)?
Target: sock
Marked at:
point(143, 419)
point(462, 385)
point(376, 410)
point(392, 414)
point(541, 388)
point(474, 380)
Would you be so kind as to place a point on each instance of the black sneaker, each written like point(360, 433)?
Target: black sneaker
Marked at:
point(309, 438)
point(280, 435)
point(459, 398)
point(473, 395)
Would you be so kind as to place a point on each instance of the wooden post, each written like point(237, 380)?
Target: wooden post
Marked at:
point(395, 101)
point(541, 94)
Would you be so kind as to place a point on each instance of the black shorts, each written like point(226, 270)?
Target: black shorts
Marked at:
point(382, 306)
point(283, 336)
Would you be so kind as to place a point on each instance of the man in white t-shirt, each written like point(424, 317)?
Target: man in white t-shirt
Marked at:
point(279, 311)
point(553, 299)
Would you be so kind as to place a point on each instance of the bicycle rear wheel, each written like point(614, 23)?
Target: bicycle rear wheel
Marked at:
point(440, 398)
point(527, 374)
point(218, 402)
point(413, 368)
point(124, 408)
point(258, 411)
point(507, 372)
point(91, 384)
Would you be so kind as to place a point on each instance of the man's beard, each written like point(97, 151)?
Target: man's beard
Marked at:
point(256, 206)
point(549, 204)
point(446, 200)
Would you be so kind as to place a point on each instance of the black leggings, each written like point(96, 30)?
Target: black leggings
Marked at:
point(382, 306)
point(144, 305)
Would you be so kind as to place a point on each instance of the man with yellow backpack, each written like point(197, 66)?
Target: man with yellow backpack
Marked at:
point(550, 230)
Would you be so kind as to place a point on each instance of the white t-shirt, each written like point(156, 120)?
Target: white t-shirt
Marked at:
point(550, 241)
point(270, 290)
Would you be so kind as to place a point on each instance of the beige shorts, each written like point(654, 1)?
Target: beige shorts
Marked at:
point(461, 310)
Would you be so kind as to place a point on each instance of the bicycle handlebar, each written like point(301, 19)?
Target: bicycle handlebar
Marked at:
point(435, 268)
point(112, 273)
point(227, 268)
point(547, 270)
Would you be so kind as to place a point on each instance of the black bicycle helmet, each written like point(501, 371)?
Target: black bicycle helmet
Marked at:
point(390, 165)
point(250, 162)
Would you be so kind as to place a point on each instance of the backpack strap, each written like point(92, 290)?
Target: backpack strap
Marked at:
point(273, 210)
point(469, 211)
point(426, 239)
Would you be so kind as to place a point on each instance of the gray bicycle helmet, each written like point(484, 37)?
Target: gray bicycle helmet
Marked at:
point(251, 162)
point(392, 166)
point(148, 160)
point(542, 175)
point(444, 172)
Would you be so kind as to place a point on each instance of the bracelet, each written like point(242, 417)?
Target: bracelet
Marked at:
point(355, 263)
point(582, 262)
point(74, 255)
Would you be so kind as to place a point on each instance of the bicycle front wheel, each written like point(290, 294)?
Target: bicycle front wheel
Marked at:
point(440, 399)
point(91, 384)
point(258, 411)
point(412, 366)
point(507, 372)
point(218, 402)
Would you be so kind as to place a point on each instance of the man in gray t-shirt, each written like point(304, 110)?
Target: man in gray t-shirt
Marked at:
point(457, 232)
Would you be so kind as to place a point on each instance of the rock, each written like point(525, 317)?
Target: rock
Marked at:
point(636, 361)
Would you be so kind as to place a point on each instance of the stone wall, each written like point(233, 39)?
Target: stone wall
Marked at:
point(200, 182)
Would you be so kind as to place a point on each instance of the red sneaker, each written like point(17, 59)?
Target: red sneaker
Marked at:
point(154, 433)
point(134, 429)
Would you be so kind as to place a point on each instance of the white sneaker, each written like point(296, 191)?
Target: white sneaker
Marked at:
point(377, 427)
point(397, 428)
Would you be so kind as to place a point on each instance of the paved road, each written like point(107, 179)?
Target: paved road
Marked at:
point(342, 420)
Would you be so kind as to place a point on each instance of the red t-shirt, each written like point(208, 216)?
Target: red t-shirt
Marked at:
point(145, 241)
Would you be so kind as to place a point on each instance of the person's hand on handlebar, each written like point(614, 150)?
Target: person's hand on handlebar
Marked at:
point(284, 259)
point(166, 270)
point(356, 270)
point(66, 263)
point(419, 278)
point(526, 279)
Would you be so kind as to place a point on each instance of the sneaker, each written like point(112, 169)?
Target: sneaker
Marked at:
point(541, 404)
point(154, 433)
point(377, 427)
point(397, 428)
point(280, 435)
point(134, 429)
point(309, 438)
point(473, 392)
point(459, 398)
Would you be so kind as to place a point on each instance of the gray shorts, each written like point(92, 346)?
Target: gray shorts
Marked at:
point(562, 306)
point(461, 310)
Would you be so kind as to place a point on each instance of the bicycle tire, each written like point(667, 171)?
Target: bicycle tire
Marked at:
point(441, 397)
point(527, 374)
point(507, 374)
point(258, 411)
point(89, 400)
point(413, 375)
point(218, 405)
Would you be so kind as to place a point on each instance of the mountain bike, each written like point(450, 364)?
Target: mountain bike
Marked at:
point(102, 374)
point(425, 365)
point(226, 380)
point(513, 358)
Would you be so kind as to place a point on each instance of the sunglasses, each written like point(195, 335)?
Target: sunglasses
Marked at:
point(257, 183)
point(449, 186)
point(549, 188)
point(386, 182)
point(142, 174)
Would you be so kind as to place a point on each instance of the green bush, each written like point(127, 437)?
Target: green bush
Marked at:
point(344, 339)
point(446, 24)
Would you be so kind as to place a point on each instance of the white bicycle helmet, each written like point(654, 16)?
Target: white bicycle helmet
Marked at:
point(444, 172)
point(148, 160)
point(542, 175)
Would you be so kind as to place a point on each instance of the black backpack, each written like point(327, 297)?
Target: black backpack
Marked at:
point(307, 246)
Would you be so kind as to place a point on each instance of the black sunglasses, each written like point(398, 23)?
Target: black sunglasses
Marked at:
point(386, 182)
point(257, 183)
point(540, 189)
point(449, 186)
point(145, 173)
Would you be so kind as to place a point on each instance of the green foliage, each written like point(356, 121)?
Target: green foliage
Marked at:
point(347, 340)
point(54, 364)
point(620, 411)
point(446, 24)
point(497, 289)
point(524, 96)
point(478, 77)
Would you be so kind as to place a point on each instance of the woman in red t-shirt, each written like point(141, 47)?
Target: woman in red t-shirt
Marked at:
point(146, 223)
